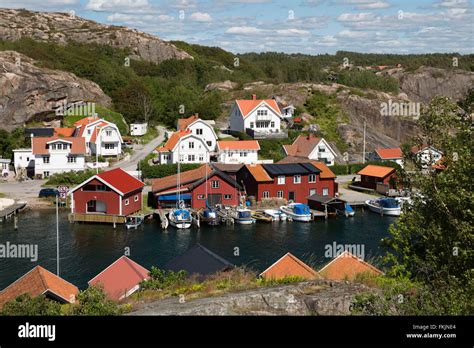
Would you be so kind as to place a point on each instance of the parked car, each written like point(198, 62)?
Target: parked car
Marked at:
point(48, 192)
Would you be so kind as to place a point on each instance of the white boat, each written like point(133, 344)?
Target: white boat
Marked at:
point(275, 214)
point(243, 216)
point(133, 222)
point(297, 212)
point(384, 206)
point(180, 218)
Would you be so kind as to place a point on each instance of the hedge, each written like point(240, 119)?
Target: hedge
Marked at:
point(353, 168)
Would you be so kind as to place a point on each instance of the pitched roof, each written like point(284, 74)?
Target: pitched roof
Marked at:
point(40, 281)
point(86, 120)
point(97, 130)
point(173, 140)
point(39, 132)
point(377, 171)
point(187, 177)
point(391, 153)
point(39, 144)
point(199, 260)
point(302, 146)
point(290, 169)
point(238, 145)
point(347, 266)
point(121, 278)
point(229, 168)
point(326, 172)
point(258, 172)
point(416, 149)
point(121, 180)
point(246, 106)
point(64, 132)
point(289, 265)
point(184, 123)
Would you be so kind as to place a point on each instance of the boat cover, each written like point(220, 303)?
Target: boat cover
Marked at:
point(244, 214)
point(301, 209)
point(182, 213)
point(174, 197)
point(388, 203)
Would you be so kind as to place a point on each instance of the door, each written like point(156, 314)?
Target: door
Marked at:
point(214, 198)
point(291, 196)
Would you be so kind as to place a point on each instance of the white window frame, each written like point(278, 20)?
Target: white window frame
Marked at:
point(312, 176)
point(325, 191)
point(297, 179)
point(281, 180)
point(46, 160)
point(135, 199)
point(266, 194)
point(127, 201)
point(227, 196)
point(215, 184)
point(280, 194)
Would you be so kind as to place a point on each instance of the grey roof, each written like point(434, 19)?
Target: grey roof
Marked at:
point(199, 260)
point(39, 132)
point(290, 168)
point(323, 199)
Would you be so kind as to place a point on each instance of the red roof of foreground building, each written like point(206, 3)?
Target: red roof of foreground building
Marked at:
point(246, 106)
point(121, 278)
point(302, 146)
point(289, 266)
point(392, 153)
point(376, 171)
point(184, 123)
point(238, 145)
point(347, 266)
point(39, 145)
point(40, 281)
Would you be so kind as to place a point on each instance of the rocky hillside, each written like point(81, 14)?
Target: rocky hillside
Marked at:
point(317, 297)
point(27, 91)
point(63, 27)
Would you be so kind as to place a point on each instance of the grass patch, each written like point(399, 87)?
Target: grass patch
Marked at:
point(104, 113)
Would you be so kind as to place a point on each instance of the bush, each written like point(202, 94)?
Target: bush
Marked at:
point(161, 279)
point(27, 305)
point(93, 301)
point(70, 178)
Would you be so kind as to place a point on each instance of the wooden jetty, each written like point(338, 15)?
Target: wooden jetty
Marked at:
point(97, 218)
point(12, 210)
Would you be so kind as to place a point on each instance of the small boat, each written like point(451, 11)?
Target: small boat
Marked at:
point(275, 214)
point(348, 211)
point(243, 216)
point(384, 206)
point(209, 215)
point(133, 222)
point(180, 218)
point(260, 216)
point(297, 212)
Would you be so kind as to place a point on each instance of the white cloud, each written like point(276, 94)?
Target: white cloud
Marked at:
point(353, 34)
point(356, 17)
point(131, 19)
point(367, 4)
point(244, 30)
point(292, 32)
point(454, 3)
point(129, 6)
point(200, 17)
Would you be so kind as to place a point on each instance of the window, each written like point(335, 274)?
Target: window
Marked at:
point(127, 202)
point(166, 157)
point(242, 154)
point(108, 133)
point(209, 143)
point(227, 197)
point(322, 149)
point(181, 158)
point(136, 198)
point(263, 124)
point(325, 192)
point(297, 179)
point(272, 124)
point(53, 146)
point(280, 194)
point(251, 124)
point(89, 131)
point(201, 158)
point(266, 194)
point(91, 204)
point(291, 196)
point(312, 192)
point(201, 197)
point(215, 183)
point(311, 178)
point(101, 188)
point(45, 159)
point(199, 131)
point(45, 174)
point(191, 144)
point(109, 146)
point(59, 146)
point(262, 112)
point(191, 158)
point(71, 159)
point(281, 180)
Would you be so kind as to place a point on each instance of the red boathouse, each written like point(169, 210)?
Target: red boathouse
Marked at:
point(114, 192)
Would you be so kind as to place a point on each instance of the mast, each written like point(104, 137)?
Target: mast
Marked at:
point(178, 178)
point(206, 185)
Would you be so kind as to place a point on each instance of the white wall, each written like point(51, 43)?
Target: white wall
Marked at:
point(114, 138)
point(321, 156)
point(271, 116)
point(236, 156)
point(138, 129)
point(200, 151)
point(58, 163)
point(208, 134)
point(23, 158)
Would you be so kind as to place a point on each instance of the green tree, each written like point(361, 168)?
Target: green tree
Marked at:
point(93, 301)
point(27, 305)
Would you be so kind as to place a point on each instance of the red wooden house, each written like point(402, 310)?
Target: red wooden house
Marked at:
point(221, 188)
point(372, 175)
point(114, 192)
point(290, 181)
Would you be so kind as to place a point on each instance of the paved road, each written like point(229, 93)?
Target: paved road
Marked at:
point(140, 152)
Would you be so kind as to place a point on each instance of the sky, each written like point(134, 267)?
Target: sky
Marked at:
point(290, 26)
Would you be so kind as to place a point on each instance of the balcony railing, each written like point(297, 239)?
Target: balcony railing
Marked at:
point(267, 133)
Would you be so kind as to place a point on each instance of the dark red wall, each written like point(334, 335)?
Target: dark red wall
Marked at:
point(371, 181)
point(224, 188)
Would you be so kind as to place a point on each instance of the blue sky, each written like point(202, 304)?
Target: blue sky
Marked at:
point(291, 26)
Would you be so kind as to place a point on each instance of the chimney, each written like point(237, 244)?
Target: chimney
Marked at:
point(196, 115)
point(254, 97)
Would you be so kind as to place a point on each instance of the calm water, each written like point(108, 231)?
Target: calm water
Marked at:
point(87, 249)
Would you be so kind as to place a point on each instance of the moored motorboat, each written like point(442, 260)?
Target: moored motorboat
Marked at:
point(297, 212)
point(384, 206)
point(348, 211)
point(276, 214)
point(209, 215)
point(243, 216)
point(133, 222)
point(180, 218)
point(262, 217)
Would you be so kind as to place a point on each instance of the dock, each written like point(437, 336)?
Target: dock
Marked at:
point(97, 218)
point(8, 212)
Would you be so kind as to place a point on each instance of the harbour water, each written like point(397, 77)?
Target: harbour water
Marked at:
point(86, 249)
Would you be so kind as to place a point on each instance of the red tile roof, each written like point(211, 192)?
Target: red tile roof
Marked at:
point(246, 106)
point(38, 144)
point(258, 172)
point(97, 130)
point(392, 153)
point(173, 140)
point(347, 266)
point(239, 145)
point(289, 266)
point(302, 146)
point(376, 171)
point(85, 121)
point(190, 176)
point(184, 123)
point(121, 180)
point(121, 278)
point(64, 132)
point(40, 281)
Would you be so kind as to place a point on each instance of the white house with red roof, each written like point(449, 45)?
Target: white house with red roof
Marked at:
point(235, 152)
point(311, 147)
point(102, 137)
point(58, 154)
point(393, 154)
point(200, 128)
point(114, 192)
point(184, 146)
point(258, 117)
